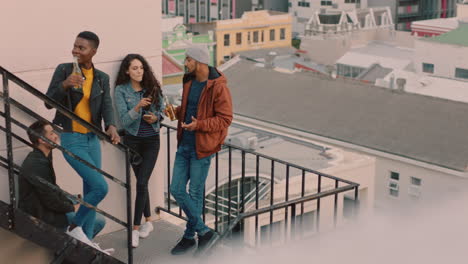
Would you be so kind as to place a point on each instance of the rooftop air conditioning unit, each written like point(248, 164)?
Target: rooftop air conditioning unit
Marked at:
point(252, 142)
point(244, 142)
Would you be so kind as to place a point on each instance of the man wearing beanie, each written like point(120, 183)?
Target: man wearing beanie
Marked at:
point(204, 117)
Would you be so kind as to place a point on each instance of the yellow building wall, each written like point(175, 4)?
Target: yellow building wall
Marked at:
point(173, 79)
point(251, 26)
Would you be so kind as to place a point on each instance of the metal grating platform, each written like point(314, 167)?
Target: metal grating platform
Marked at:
point(153, 249)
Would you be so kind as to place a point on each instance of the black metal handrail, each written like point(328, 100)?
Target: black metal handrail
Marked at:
point(291, 203)
point(273, 204)
point(16, 122)
point(9, 164)
point(16, 169)
point(62, 109)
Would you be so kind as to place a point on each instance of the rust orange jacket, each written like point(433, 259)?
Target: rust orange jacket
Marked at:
point(214, 113)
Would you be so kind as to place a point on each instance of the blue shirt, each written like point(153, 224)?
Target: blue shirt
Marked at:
point(188, 137)
point(145, 129)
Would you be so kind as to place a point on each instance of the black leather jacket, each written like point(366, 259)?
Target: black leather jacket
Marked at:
point(100, 101)
point(38, 199)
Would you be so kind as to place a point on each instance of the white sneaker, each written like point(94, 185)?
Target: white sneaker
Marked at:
point(78, 234)
point(145, 229)
point(135, 238)
point(108, 251)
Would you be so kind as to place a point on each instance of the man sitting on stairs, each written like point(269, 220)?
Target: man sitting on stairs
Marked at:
point(36, 197)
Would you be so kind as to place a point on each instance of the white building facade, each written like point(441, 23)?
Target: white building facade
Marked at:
point(303, 10)
point(451, 61)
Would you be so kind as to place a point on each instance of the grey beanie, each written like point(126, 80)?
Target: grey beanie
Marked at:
point(199, 53)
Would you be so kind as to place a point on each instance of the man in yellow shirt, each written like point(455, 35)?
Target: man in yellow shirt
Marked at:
point(88, 96)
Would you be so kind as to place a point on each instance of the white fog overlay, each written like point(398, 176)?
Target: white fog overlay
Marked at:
point(430, 233)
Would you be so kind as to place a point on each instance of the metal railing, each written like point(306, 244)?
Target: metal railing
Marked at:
point(257, 204)
point(284, 205)
point(8, 162)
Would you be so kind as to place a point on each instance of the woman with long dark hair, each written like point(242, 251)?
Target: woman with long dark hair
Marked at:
point(139, 102)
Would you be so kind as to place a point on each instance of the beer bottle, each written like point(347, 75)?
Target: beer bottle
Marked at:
point(77, 71)
point(169, 109)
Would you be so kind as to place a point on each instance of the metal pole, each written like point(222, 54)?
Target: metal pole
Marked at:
point(272, 197)
point(257, 179)
point(319, 189)
point(286, 198)
point(335, 211)
point(303, 190)
point(216, 191)
point(129, 207)
point(229, 185)
point(242, 189)
point(356, 201)
point(243, 182)
point(11, 175)
point(168, 169)
point(293, 221)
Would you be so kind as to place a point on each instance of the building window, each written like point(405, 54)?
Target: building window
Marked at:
point(461, 73)
point(303, 4)
point(415, 188)
point(326, 3)
point(255, 36)
point(272, 35)
point(350, 1)
point(282, 33)
point(428, 67)
point(262, 36)
point(289, 4)
point(248, 37)
point(393, 184)
point(395, 176)
point(226, 40)
point(239, 38)
point(416, 181)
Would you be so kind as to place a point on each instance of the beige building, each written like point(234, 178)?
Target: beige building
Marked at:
point(462, 9)
point(254, 30)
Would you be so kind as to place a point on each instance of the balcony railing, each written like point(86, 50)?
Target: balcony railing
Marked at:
point(258, 192)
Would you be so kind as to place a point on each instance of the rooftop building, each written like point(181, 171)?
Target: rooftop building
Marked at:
point(387, 55)
point(433, 27)
point(410, 135)
point(254, 30)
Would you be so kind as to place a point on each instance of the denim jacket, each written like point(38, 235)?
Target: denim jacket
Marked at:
point(126, 98)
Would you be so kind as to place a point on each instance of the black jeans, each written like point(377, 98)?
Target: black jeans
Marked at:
point(148, 148)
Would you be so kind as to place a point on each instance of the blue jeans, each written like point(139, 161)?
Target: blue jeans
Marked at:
point(88, 148)
point(90, 232)
point(188, 167)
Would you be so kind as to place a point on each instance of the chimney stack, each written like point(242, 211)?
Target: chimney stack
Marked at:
point(401, 82)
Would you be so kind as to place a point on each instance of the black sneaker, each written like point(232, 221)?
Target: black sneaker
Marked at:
point(183, 246)
point(205, 240)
